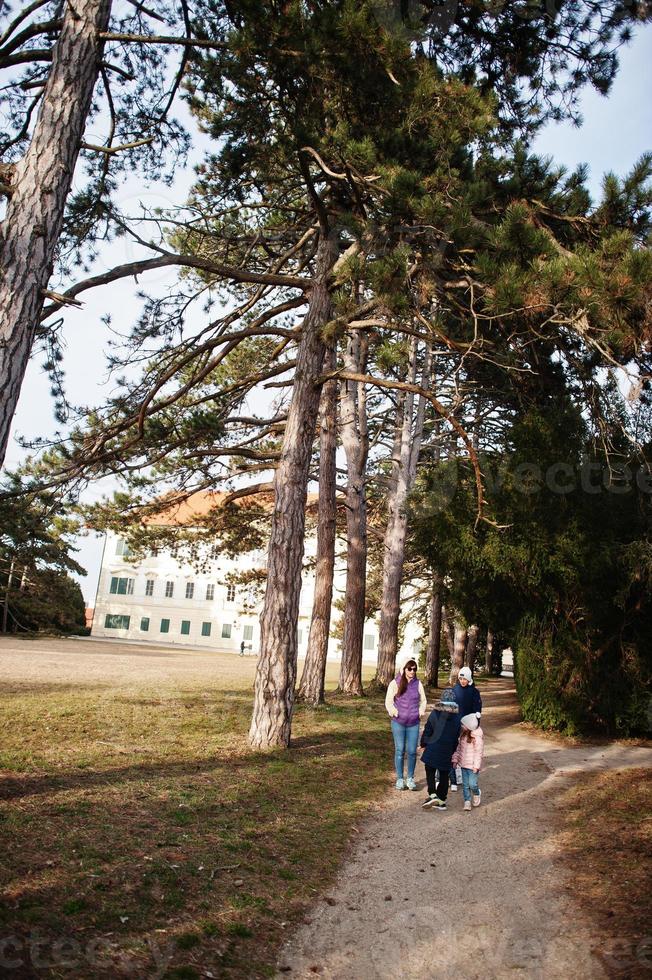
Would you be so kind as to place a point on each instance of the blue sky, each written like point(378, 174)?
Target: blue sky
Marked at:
point(615, 132)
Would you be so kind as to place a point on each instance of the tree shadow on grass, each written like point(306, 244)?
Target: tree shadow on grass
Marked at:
point(224, 851)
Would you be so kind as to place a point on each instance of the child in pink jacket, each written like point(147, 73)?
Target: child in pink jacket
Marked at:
point(468, 755)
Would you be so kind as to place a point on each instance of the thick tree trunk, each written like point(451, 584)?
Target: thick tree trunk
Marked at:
point(489, 652)
point(405, 469)
point(277, 663)
point(459, 648)
point(471, 646)
point(355, 441)
point(311, 688)
point(434, 634)
point(30, 231)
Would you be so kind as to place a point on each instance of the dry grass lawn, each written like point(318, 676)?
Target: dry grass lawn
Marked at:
point(607, 842)
point(142, 836)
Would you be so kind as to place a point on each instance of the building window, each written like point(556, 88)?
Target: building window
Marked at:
point(149, 586)
point(190, 590)
point(165, 626)
point(230, 593)
point(210, 591)
point(122, 586)
point(185, 627)
point(205, 629)
point(122, 548)
point(144, 624)
point(248, 633)
point(299, 637)
point(169, 590)
point(114, 622)
point(226, 631)
point(369, 641)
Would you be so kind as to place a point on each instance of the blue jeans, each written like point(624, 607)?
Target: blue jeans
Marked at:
point(469, 784)
point(406, 738)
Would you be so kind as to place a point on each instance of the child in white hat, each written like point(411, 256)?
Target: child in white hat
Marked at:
point(468, 755)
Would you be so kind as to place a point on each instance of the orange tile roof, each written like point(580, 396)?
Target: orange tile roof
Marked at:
point(193, 509)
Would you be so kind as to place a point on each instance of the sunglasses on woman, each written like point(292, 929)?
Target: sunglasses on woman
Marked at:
point(410, 670)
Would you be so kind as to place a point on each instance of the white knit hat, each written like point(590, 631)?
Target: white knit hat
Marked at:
point(404, 658)
point(466, 672)
point(470, 721)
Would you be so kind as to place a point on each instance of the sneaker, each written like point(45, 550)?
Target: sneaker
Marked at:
point(454, 787)
point(410, 783)
point(467, 805)
point(400, 784)
point(477, 799)
point(440, 805)
point(430, 801)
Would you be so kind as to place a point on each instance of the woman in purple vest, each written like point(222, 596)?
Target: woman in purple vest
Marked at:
point(406, 703)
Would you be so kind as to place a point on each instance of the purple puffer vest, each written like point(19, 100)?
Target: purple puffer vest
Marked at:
point(408, 703)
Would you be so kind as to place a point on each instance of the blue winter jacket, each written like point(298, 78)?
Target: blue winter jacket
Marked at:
point(468, 699)
point(440, 735)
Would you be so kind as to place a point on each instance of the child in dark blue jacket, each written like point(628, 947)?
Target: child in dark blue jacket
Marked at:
point(439, 741)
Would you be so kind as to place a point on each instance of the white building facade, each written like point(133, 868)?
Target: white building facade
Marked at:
point(163, 600)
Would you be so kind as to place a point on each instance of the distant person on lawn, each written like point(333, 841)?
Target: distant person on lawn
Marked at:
point(468, 755)
point(469, 702)
point(406, 703)
point(439, 740)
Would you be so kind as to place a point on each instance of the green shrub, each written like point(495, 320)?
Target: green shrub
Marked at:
point(566, 686)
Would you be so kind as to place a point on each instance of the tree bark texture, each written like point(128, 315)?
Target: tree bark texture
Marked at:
point(5, 605)
point(449, 632)
point(311, 688)
point(32, 226)
point(277, 663)
point(404, 474)
point(459, 649)
point(471, 646)
point(355, 440)
point(434, 634)
point(489, 651)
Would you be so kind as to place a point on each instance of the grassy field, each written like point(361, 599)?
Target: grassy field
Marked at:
point(141, 835)
point(607, 845)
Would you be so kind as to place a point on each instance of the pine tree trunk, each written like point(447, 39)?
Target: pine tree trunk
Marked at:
point(459, 648)
point(355, 442)
point(449, 633)
point(434, 634)
point(5, 606)
point(489, 651)
point(471, 646)
point(30, 231)
point(311, 688)
point(277, 663)
point(395, 536)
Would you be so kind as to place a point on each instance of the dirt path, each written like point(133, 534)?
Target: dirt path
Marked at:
point(430, 894)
